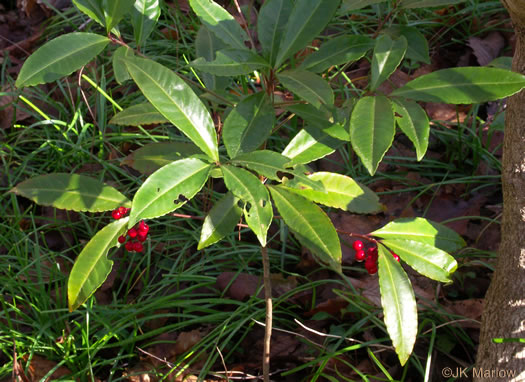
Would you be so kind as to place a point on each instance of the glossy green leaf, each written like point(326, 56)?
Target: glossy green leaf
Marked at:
point(308, 86)
point(417, 43)
point(119, 67)
point(248, 125)
point(310, 225)
point(140, 114)
point(144, 16)
point(220, 221)
point(319, 117)
point(92, 8)
point(372, 130)
point(71, 192)
point(299, 178)
point(152, 156)
point(423, 231)
point(206, 45)
point(272, 20)
point(352, 5)
point(424, 258)
point(413, 121)
point(427, 3)
point(388, 54)
point(231, 62)
point(258, 208)
point(60, 57)
point(399, 304)
point(115, 10)
point(307, 20)
point(264, 162)
point(309, 145)
point(92, 266)
point(463, 85)
point(220, 22)
point(337, 51)
point(169, 188)
point(342, 192)
point(174, 99)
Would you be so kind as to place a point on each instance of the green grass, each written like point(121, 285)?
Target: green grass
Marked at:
point(171, 288)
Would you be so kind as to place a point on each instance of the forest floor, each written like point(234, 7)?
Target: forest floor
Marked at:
point(177, 312)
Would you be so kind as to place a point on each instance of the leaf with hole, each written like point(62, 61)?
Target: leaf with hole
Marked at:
point(144, 16)
point(140, 114)
point(71, 192)
point(308, 86)
point(463, 85)
point(220, 22)
point(388, 54)
point(413, 121)
point(174, 99)
point(307, 20)
point(310, 225)
point(152, 156)
point(60, 57)
point(399, 304)
point(273, 16)
point(258, 210)
point(231, 62)
point(340, 191)
point(169, 188)
point(248, 125)
point(92, 266)
point(372, 130)
point(264, 162)
point(339, 50)
point(220, 221)
point(424, 258)
point(423, 231)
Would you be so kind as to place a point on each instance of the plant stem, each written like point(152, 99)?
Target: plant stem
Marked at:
point(268, 326)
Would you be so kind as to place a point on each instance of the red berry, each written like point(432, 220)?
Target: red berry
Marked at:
point(122, 239)
point(123, 210)
point(132, 232)
point(372, 252)
point(141, 237)
point(396, 256)
point(138, 247)
point(360, 255)
point(372, 270)
point(143, 227)
point(358, 245)
point(129, 246)
point(116, 214)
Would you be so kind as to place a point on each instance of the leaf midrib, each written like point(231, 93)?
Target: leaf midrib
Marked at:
point(199, 137)
point(196, 171)
point(305, 222)
point(232, 36)
point(70, 53)
point(280, 57)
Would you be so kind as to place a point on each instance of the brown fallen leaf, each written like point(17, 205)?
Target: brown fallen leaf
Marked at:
point(488, 48)
point(40, 366)
point(241, 286)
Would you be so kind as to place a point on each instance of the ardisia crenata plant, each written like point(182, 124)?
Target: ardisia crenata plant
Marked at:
point(258, 179)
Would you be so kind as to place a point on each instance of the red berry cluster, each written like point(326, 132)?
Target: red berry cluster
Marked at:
point(370, 256)
point(137, 235)
point(120, 212)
